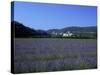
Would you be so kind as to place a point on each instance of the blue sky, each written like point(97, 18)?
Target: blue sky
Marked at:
point(51, 16)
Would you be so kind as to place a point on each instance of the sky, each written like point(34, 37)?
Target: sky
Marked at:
point(53, 16)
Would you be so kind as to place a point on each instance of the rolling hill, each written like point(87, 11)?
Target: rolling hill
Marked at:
point(22, 31)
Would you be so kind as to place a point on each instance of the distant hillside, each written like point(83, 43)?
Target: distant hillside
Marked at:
point(75, 29)
point(90, 31)
point(22, 31)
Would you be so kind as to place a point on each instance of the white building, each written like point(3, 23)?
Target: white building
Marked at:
point(67, 34)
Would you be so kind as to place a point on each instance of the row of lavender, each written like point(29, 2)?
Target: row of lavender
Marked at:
point(40, 55)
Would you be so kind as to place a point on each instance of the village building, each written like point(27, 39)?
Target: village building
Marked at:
point(67, 34)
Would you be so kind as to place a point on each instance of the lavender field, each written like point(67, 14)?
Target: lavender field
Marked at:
point(42, 55)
